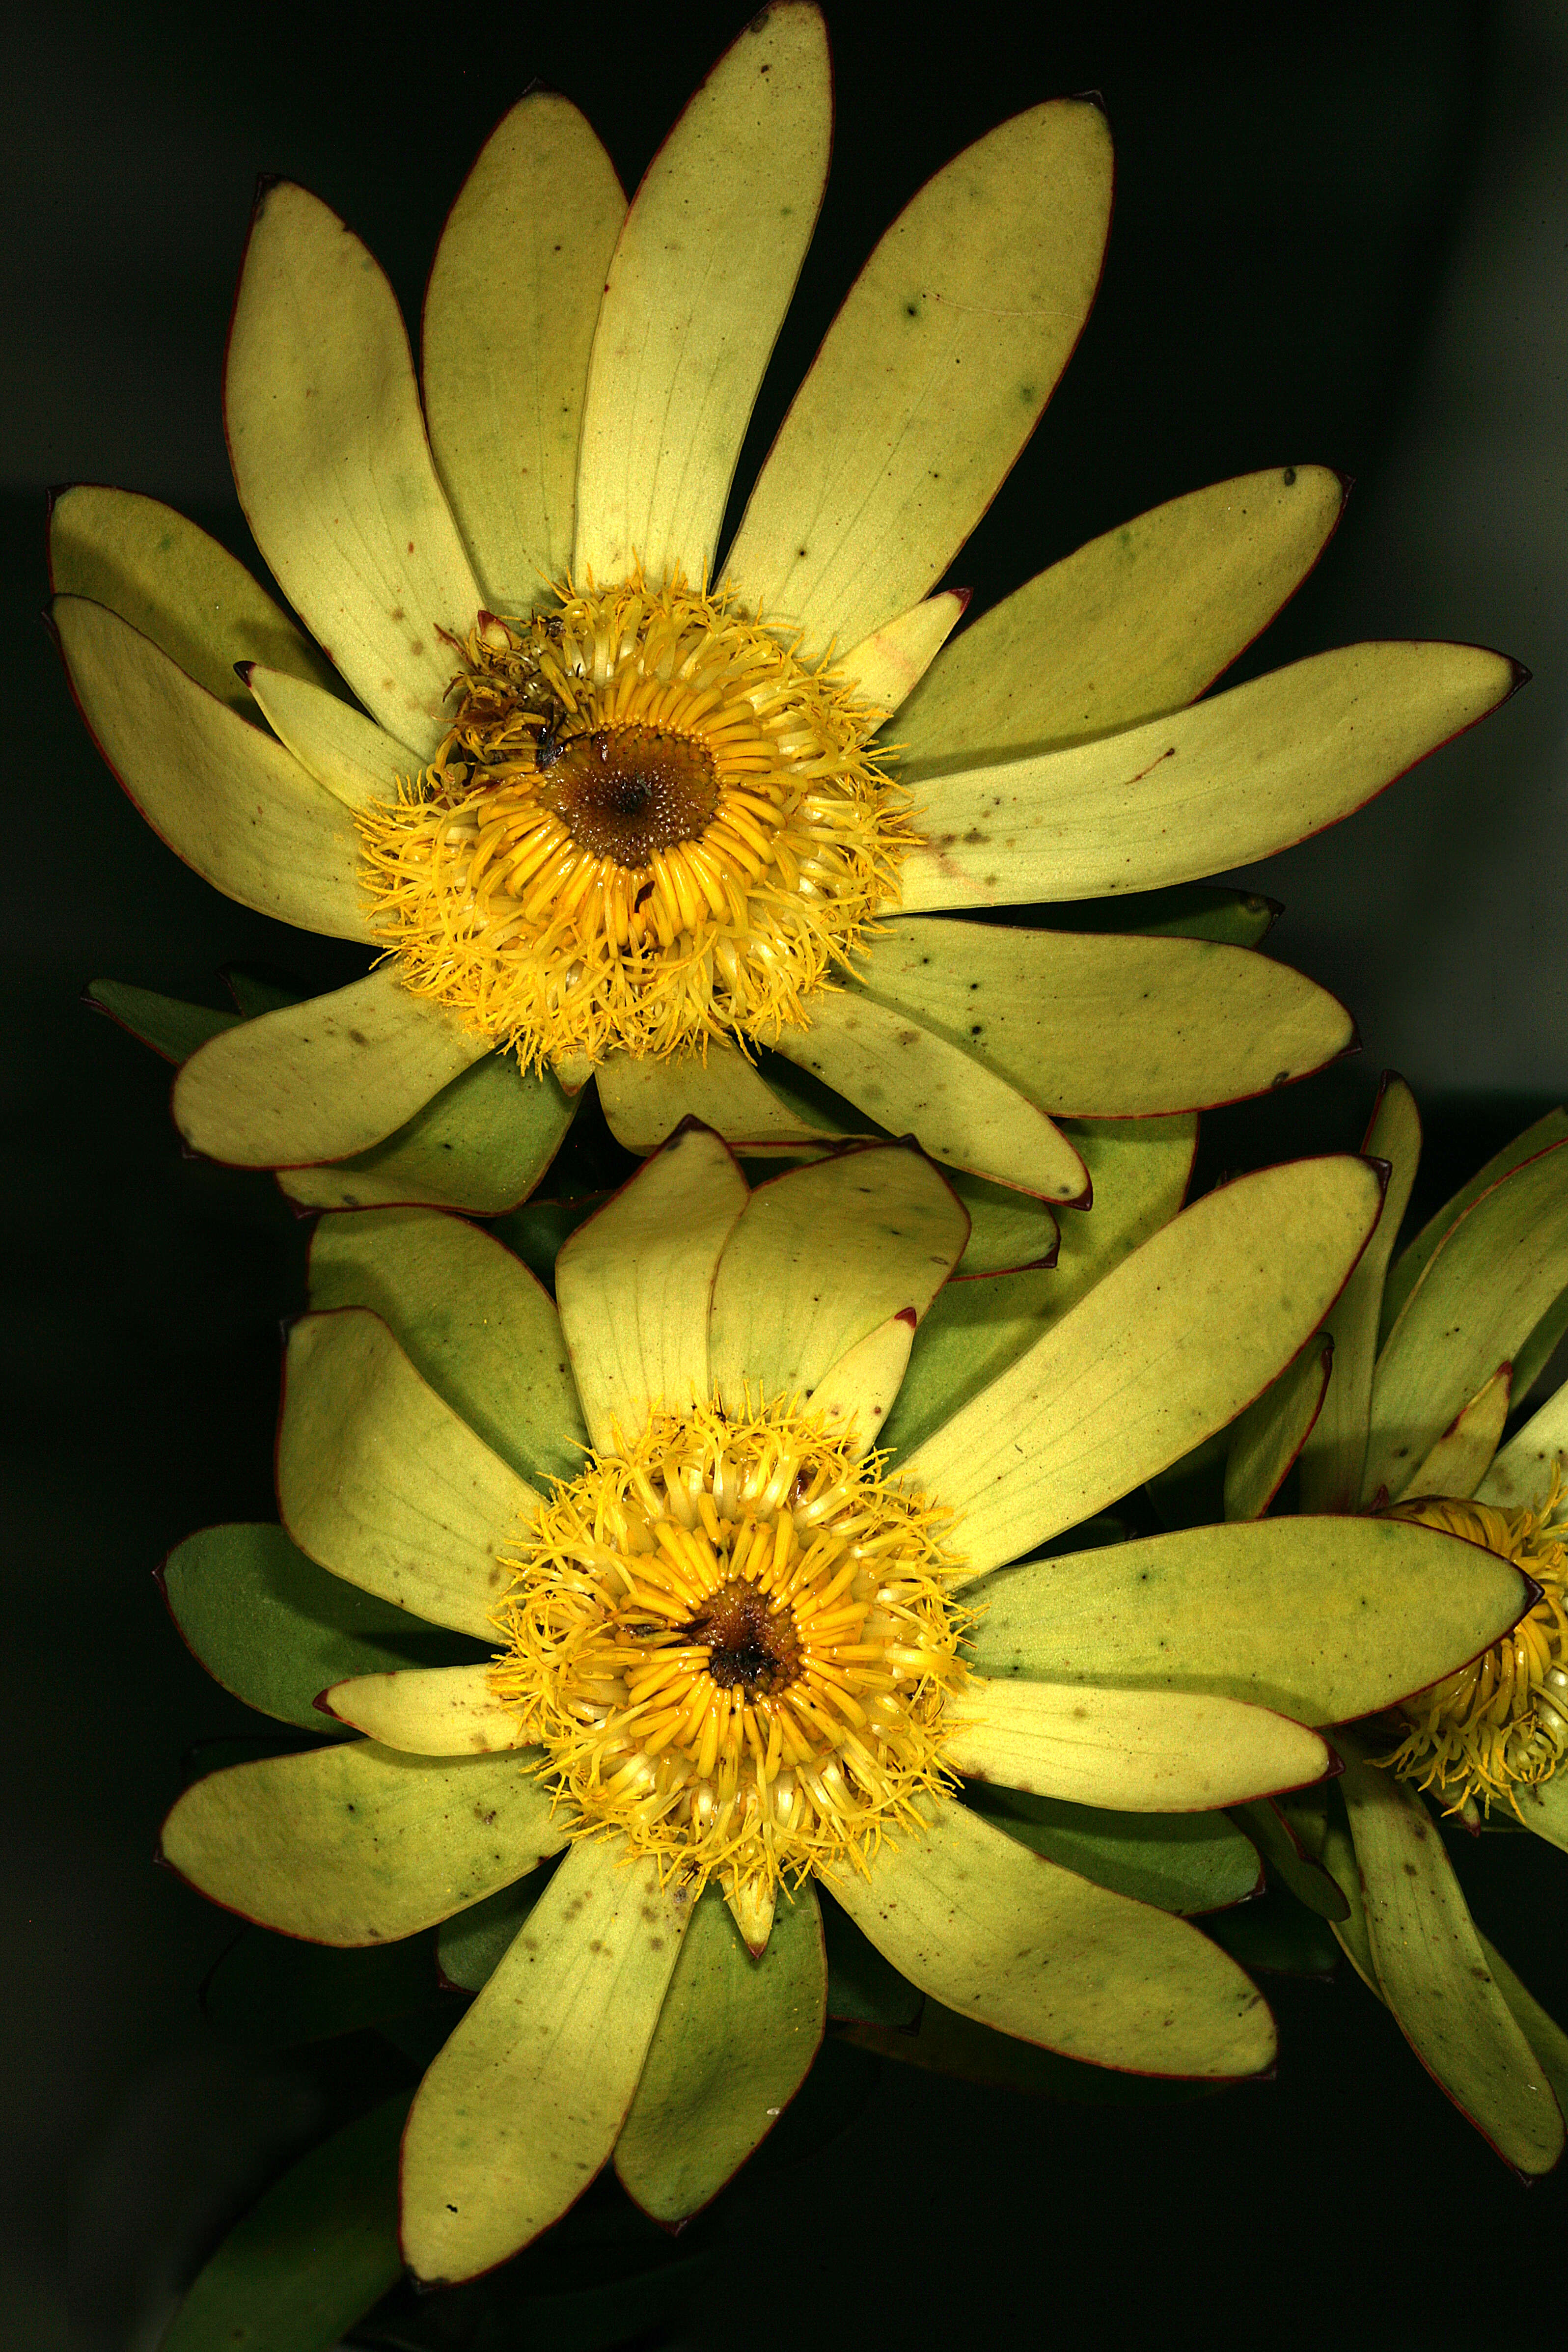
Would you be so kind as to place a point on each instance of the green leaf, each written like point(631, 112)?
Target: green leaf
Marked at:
point(1133, 1750)
point(471, 1945)
point(733, 2043)
point(172, 1027)
point(1540, 1348)
point(277, 1993)
point(327, 441)
point(276, 1630)
point(861, 1983)
point(819, 1257)
point(537, 1230)
point(634, 1284)
point(1334, 1454)
point(514, 292)
point(1543, 2033)
point(1412, 1261)
point(1435, 1975)
point(913, 1079)
point(472, 1321)
point(1187, 910)
point(339, 1073)
point(1265, 1441)
point(1007, 1228)
point(1482, 1292)
point(930, 379)
point(225, 794)
point(1181, 1862)
point(1544, 1808)
point(1217, 786)
point(381, 1480)
point(310, 2258)
point(1339, 1859)
point(1274, 1828)
point(480, 1144)
point(1277, 1933)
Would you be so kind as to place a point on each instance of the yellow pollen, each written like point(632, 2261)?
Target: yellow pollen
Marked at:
point(649, 826)
point(1500, 1723)
point(733, 1647)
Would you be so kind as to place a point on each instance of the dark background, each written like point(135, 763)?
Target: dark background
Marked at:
point(1340, 235)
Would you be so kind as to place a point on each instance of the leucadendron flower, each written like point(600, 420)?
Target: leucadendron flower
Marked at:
point(615, 798)
point(1428, 1353)
point(734, 1648)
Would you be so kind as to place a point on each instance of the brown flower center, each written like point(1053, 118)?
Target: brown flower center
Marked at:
point(753, 1647)
point(627, 792)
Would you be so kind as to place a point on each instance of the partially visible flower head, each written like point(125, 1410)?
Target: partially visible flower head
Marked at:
point(731, 1640)
point(651, 824)
point(1500, 1723)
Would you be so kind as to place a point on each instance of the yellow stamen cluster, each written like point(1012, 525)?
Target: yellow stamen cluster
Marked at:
point(733, 1642)
point(1500, 1723)
point(651, 824)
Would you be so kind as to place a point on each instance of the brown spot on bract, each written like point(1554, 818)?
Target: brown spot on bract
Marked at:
point(975, 835)
point(656, 1943)
point(358, 1037)
point(908, 1037)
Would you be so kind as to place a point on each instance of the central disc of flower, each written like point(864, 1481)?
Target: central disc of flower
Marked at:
point(732, 1643)
point(650, 824)
point(1501, 1722)
point(753, 1646)
point(625, 793)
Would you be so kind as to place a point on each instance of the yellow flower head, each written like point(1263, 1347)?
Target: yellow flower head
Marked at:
point(733, 1642)
point(1500, 1723)
point(650, 825)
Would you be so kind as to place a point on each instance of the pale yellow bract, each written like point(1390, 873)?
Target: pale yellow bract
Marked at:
point(672, 857)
